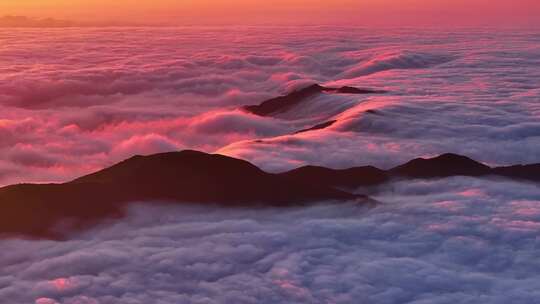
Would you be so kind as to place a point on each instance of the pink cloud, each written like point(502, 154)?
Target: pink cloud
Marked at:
point(70, 106)
point(473, 192)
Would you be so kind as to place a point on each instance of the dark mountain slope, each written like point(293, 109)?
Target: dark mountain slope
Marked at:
point(441, 166)
point(187, 176)
point(199, 177)
point(320, 126)
point(347, 178)
point(524, 172)
point(196, 177)
point(283, 103)
point(445, 165)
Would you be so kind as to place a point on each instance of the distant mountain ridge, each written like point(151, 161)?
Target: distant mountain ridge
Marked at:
point(441, 166)
point(445, 165)
point(195, 177)
point(27, 22)
point(282, 103)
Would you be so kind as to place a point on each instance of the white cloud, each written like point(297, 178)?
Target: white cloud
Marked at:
point(441, 241)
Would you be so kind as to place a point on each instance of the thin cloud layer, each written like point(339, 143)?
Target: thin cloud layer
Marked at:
point(26, 22)
point(454, 240)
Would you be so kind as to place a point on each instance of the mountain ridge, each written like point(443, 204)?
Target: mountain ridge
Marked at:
point(444, 165)
point(282, 103)
point(176, 177)
point(189, 176)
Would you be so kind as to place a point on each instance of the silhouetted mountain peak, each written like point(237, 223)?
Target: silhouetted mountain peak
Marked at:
point(312, 88)
point(170, 165)
point(196, 177)
point(175, 177)
point(441, 166)
point(320, 126)
point(285, 102)
point(352, 90)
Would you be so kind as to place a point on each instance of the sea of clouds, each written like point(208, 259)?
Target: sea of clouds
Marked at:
point(453, 240)
point(75, 100)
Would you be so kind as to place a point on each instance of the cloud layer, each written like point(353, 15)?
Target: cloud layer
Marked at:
point(455, 240)
point(76, 100)
point(458, 96)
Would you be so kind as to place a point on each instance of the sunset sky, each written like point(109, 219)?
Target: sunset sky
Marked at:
point(362, 12)
point(269, 151)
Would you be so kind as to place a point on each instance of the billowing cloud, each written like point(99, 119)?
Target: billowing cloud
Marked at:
point(449, 240)
point(400, 60)
point(76, 100)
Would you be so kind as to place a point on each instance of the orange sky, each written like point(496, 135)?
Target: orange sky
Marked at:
point(362, 12)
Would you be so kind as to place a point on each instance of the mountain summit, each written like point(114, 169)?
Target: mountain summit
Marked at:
point(177, 177)
point(199, 178)
point(282, 103)
point(441, 166)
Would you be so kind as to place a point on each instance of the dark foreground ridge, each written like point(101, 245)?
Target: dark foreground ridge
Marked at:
point(194, 177)
point(188, 176)
point(283, 103)
point(445, 165)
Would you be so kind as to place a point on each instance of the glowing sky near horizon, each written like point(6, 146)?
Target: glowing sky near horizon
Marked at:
point(377, 12)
